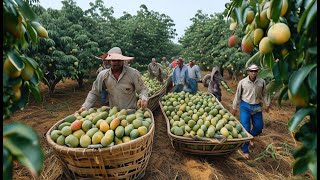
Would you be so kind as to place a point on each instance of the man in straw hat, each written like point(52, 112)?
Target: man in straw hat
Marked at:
point(251, 92)
point(122, 83)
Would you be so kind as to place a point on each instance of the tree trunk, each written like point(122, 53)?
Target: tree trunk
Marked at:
point(80, 81)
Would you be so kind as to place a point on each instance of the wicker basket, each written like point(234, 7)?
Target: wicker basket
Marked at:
point(169, 83)
point(123, 161)
point(203, 145)
point(153, 100)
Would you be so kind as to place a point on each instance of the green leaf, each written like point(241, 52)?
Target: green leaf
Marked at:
point(298, 77)
point(313, 164)
point(308, 15)
point(269, 60)
point(312, 80)
point(265, 73)
point(300, 166)
point(16, 60)
point(23, 143)
point(7, 165)
point(253, 59)
point(275, 6)
point(21, 129)
point(298, 117)
point(283, 92)
point(312, 50)
point(283, 70)
point(26, 11)
point(36, 93)
point(32, 33)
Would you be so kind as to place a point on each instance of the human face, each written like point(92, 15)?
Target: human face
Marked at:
point(104, 62)
point(180, 61)
point(116, 65)
point(153, 61)
point(253, 74)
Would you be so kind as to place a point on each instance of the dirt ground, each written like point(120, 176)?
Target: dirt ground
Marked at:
point(270, 158)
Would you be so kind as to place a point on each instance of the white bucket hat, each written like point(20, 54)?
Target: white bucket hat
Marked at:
point(115, 53)
point(253, 67)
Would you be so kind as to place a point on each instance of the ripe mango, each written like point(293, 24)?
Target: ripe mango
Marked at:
point(85, 141)
point(78, 133)
point(76, 125)
point(96, 138)
point(142, 130)
point(115, 123)
point(104, 126)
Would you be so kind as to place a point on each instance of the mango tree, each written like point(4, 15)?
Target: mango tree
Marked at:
point(21, 76)
point(281, 36)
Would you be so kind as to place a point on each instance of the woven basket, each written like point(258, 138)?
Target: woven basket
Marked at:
point(153, 100)
point(203, 145)
point(123, 161)
point(169, 83)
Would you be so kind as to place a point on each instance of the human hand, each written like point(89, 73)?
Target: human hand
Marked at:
point(142, 103)
point(81, 109)
point(233, 111)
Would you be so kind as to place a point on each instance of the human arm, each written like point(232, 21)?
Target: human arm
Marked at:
point(141, 90)
point(94, 92)
point(198, 73)
point(237, 98)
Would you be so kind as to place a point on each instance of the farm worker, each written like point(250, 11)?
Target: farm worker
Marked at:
point(194, 77)
point(122, 83)
point(214, 84)
point(180, 77)
point(165, 62)
point(155, 70)
point(104, 65)
point(174, 63)
point(251, 91)
point(206, 80)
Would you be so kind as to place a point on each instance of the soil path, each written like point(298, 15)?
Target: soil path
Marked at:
point(273, 148)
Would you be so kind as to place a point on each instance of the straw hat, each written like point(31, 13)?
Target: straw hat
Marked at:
point(115, 53)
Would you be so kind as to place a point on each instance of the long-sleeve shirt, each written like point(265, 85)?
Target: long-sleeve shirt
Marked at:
point(194, 72)
point(180, 75)
point(155, 70)
point(121, 92)
point(251, 92)
point(102, 67)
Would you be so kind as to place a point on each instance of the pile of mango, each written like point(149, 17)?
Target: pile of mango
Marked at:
point(200, 115)
point(102, 127)
point(152, 84)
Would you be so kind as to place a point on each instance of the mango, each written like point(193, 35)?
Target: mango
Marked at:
point(85, 141)
point(96, 138)
point(61, 140)
point(72, 141)
point(76, 125)
point(55, 134)
point(119, 132)
point(66, 131)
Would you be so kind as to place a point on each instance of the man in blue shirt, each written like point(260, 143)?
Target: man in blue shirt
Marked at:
point(180, 77)
point(194, 77)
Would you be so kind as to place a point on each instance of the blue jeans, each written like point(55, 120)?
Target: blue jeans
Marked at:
point(103, 96)
point(192, 86)
point(251, 112)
